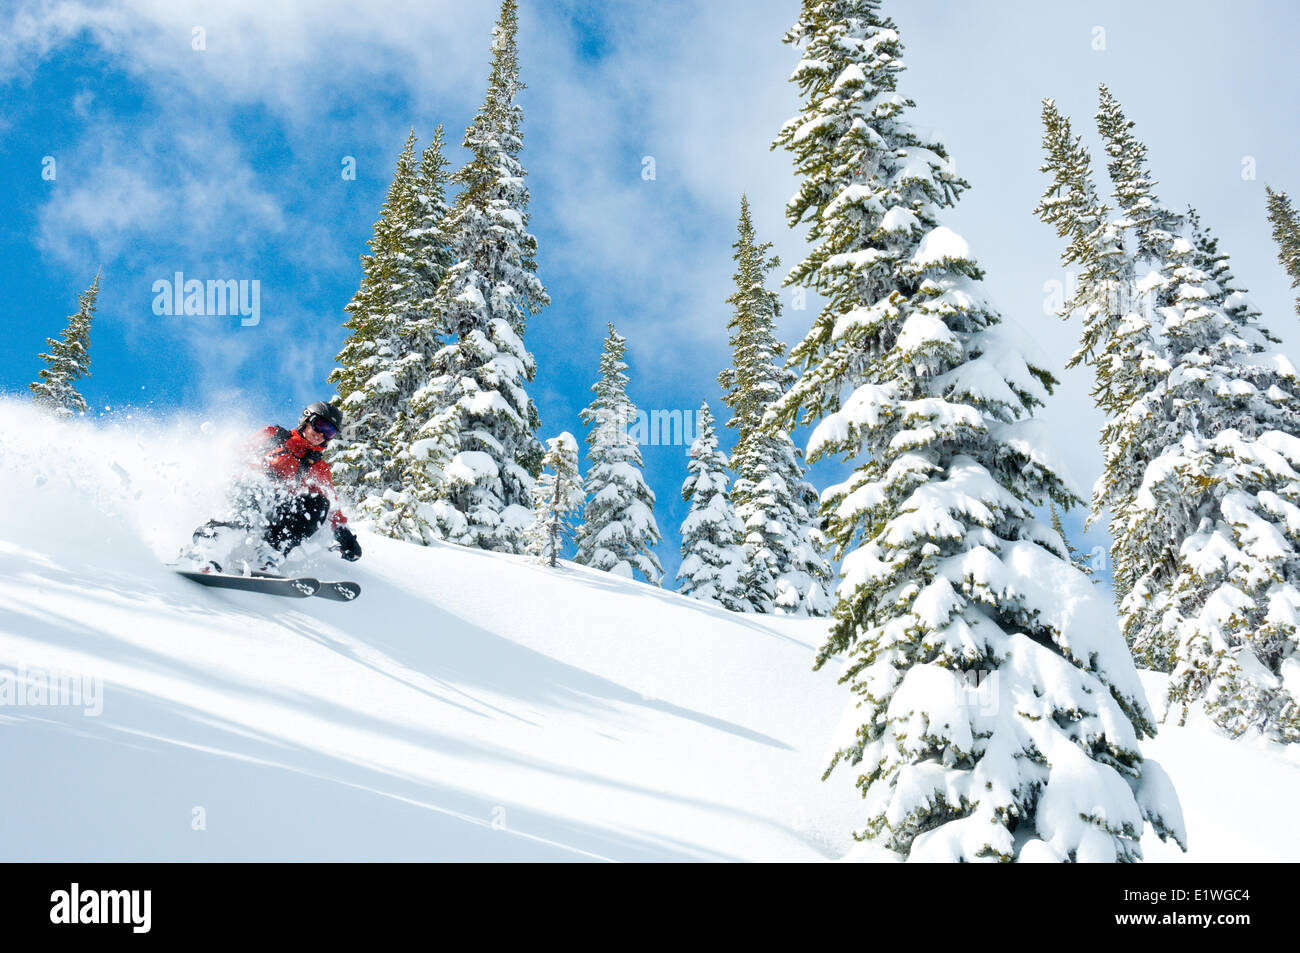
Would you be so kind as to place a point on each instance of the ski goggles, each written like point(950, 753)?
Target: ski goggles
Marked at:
point(323, 427)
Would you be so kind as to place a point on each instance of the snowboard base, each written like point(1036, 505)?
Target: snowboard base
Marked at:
point(300, 587)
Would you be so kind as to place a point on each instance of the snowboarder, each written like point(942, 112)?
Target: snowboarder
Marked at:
point(284, 500)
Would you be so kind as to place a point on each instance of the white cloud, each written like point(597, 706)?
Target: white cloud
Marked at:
point(188, 190)
point(270, 53)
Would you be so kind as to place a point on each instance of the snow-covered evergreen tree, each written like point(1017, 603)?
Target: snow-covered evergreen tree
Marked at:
point(784, 567)
point(559, 497)
point(1212, 532)
point(1199, 443)
point(433, 475)
point(68, 360)
point(401, 501)
point(1152, 226)
point(618, 524)
point(485, 300)
point(1119, 340)
point(430, 244)
point(713, 557)
point(1230, 296)
point(997, 712)
point(1224, 606)
point(1286, 232)
point(361, 458)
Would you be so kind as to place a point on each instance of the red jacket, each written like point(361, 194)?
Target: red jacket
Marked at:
point(285, 455)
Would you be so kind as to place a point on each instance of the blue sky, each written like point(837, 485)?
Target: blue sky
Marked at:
point(224, 162)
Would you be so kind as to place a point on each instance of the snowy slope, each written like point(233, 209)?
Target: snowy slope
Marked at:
point(469, 706)
point(1234, 792)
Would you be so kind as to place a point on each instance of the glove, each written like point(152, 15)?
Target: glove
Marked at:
point(349, 548)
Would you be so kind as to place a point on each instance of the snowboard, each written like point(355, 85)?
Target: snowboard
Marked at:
point(300, 587)
point(338, 590)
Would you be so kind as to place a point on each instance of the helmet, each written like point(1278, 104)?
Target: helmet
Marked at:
point(322, 409)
